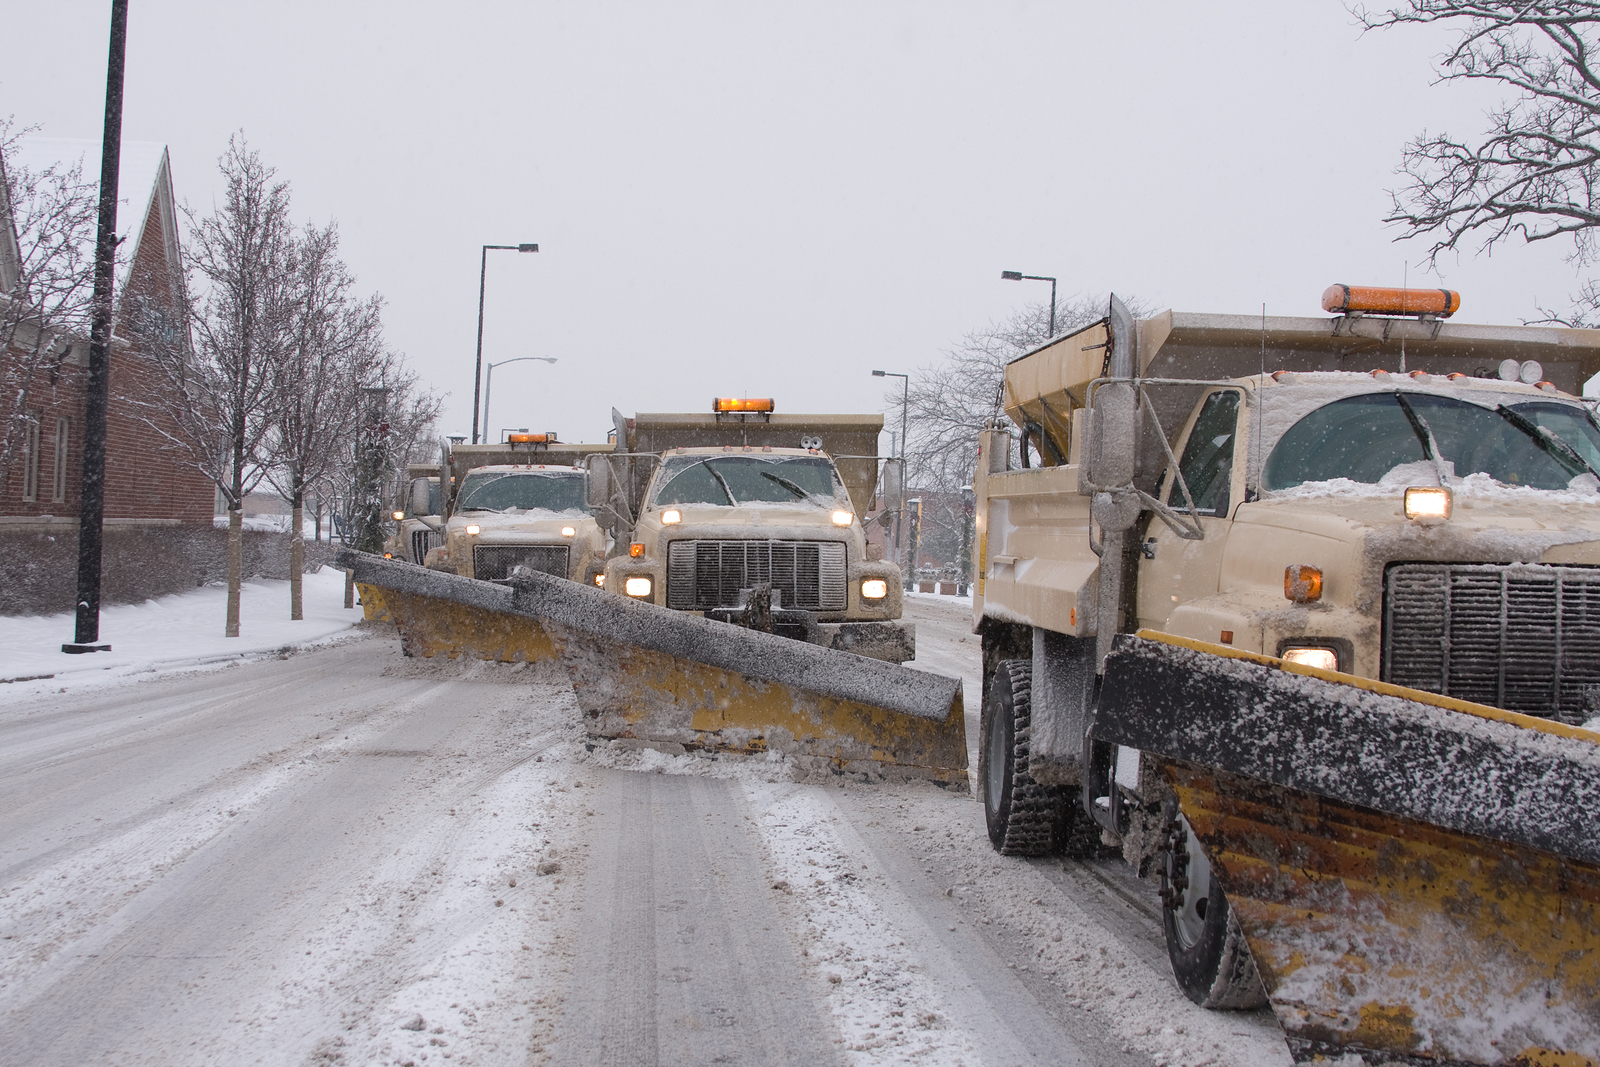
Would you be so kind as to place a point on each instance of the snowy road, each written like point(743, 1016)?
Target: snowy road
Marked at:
point(347, 857)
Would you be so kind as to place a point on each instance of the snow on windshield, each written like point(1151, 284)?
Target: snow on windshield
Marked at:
point(523, 491)
point(735, 479)
point(1387, 437)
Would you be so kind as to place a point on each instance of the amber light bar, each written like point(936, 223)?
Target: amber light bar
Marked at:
point(1376, 300)
point(727, 403)
point(531, 438)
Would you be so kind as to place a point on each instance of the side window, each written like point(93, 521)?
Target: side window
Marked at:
point(1207, 462)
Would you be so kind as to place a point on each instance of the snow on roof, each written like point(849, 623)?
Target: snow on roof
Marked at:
point(142, 176)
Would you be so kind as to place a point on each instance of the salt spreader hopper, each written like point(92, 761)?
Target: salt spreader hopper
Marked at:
point(649, 673)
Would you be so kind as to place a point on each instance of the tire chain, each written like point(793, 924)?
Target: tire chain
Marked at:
point(1034, 819)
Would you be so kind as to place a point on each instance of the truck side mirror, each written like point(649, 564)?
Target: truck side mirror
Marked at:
point(597, 481)
point(420, 492)
point(894, 484)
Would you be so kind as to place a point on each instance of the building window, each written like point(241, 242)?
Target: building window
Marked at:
point(30, 462)
point(58, 490)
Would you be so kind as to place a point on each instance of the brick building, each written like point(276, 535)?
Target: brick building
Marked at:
point(146, 483)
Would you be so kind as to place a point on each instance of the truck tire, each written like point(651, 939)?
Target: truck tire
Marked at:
point(1210, 957)
point(1024, 817)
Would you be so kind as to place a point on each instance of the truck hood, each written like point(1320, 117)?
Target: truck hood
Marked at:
point(785, 515)
point(526, 527)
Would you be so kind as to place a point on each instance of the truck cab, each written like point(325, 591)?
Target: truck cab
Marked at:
point(416, 516)
point(765, 532)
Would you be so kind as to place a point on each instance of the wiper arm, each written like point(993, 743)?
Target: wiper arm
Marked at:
point(721, 481)
point(1424, 432)
point(1562, 452)
point(787, 484)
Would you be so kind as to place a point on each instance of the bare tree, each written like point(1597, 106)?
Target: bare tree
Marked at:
point(948, 402)
point(315, 389)
point(47, 227)
point(240, 320)
point(1535, 171)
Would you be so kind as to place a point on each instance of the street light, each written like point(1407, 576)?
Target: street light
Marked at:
point(1017, 276)
point(905, 397)
point(489, 384)
point(477, 369)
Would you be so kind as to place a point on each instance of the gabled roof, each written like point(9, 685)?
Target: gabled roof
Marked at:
point(144, 184)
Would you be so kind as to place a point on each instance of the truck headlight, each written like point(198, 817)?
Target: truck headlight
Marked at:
point(474, 531)
point(399, 515)
point(568, 531)
point(600, 580)
point(843, 518)
point(671, 517)
point(874, 589)
point(639, 587)
point(1428, 503)
point(1322, 658)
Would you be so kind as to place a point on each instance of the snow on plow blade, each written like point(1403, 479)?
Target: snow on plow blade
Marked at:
point(662, 676)
point(1418, 877)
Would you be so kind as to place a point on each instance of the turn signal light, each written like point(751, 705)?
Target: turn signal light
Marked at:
point(568, 531)
point(1302, 583)
point(531, 438)
point(1380, 301)
point(1322, 658)
point(671, 517)
point(728, 403)
point(637, 586)
point(1428, 503)
point(398, 515)
point(474, 531)
point(874, 589)
point(636, 550)
point(843, 518)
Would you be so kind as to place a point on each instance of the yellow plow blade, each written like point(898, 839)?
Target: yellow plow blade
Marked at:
point(672, 679)
point(1418, 877)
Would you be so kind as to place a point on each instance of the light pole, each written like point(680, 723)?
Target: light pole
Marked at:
point(905, 398)
point(488, 384)
point(477, 369)
point(1017, 276)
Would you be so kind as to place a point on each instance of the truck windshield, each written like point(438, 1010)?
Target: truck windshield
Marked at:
point(731, 480)
point(1371, 438)
point(524, 490)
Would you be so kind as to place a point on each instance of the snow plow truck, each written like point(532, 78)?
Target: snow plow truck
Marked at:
point(1303, 615)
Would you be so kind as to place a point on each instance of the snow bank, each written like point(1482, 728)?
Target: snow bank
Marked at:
point(171, 632)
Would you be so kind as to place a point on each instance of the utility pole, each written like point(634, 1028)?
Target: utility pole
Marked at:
point(92, 497)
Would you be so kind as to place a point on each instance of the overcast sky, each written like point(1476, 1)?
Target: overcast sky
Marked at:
point(772, 199)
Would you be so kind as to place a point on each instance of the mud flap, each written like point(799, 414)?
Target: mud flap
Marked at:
point(1418, 877)
point(673, 679)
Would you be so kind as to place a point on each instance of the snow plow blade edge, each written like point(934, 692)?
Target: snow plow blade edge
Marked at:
point(1418, 877)
point(668, 678)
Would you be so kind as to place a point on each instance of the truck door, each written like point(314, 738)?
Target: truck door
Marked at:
point(1174, 570)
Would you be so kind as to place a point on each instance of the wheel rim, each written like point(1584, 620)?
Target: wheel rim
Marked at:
point(994, 781)
point(1190, 915)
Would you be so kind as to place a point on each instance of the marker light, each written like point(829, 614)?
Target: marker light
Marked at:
point(1428, 503)
point(1322, 658)
point(1302, 583)
point(636, 550)
point(728, 403)
point(388, 555)
point(1377, 300)
point(568, 531)
point(637, 587)
point(531, 438)
point(671, 517)
point(474, 531)
point(398, 515)
point(843, 518)
point(874, 589)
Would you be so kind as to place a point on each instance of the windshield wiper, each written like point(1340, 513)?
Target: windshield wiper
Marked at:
point(787, 484)
point(721, 481)
point(1562, 452)
point(1424, 432)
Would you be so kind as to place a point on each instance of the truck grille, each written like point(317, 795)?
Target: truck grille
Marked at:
point(709, 574)
point(494, 563)
point(419, 545)
point(1519, 636)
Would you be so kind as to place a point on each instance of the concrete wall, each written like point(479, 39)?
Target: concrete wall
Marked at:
point(39, 562)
